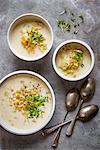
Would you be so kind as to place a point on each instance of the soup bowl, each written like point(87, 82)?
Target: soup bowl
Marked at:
point(64, 57)
point(18, 28)
point(9, 113)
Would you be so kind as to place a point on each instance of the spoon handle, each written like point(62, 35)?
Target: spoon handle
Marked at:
point(49, 130)
point(57, 135)
point(72, 124)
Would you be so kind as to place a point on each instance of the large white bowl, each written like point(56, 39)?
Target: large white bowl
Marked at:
point(88, 49)
point(29, 16)
point(29, 131)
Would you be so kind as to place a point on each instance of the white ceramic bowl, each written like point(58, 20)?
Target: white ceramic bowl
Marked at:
point(29, 131)
point(17, 21)
point(88, 49)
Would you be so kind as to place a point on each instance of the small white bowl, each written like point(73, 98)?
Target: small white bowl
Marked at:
point(32, 130)
point(33, 17)
point(88, 49)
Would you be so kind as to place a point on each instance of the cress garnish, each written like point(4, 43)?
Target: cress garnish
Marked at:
point(75, 60)
point(71, 23)
point(29, 101)
point(32, 38)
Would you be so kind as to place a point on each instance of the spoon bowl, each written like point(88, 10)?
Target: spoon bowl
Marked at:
point(88, 112)
point(72, 99)
point(88, 89)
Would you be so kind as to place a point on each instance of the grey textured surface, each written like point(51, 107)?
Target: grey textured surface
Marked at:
point(86, 136)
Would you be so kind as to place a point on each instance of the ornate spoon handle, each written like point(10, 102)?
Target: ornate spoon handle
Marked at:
point(57, 136)
point(72, 124)
point(49, 130)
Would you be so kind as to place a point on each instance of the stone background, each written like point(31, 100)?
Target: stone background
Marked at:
point(86, 136)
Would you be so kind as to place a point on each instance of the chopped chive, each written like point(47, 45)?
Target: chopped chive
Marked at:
point(82, 65)
point(65, 26)
point(73, 19)
point(72, 14)
point(75, 26)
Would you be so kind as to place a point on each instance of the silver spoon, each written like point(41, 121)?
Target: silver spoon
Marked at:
point(87, 92)
point(85, 114)
point(71, 102)
point(88, 112)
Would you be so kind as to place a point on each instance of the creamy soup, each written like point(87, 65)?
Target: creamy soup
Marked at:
point(73, 60)
point(30, 38)
point(25, 101)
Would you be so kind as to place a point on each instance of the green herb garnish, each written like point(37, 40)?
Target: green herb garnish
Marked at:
point(65, 26)
point(82, 65)
point(78, 56)
point(36, 37)
point(33, 111)
point(43, 47)
point(33, 105)
point(73, 19)
point(31, 38)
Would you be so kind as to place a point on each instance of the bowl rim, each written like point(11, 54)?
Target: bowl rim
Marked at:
point(29, 131)
point(89, 50)
point(10, 45)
